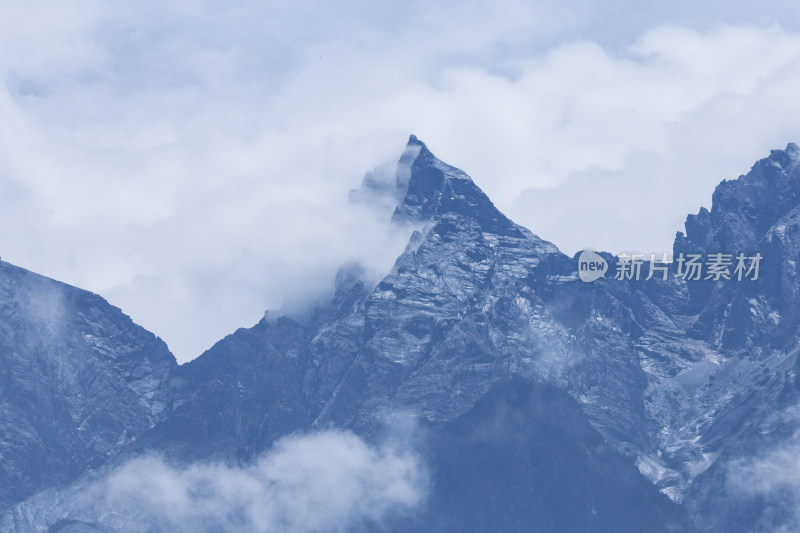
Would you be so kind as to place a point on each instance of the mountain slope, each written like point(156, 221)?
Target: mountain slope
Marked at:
point(525, 458)
point(78, 381)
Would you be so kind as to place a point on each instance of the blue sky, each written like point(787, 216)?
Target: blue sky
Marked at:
point(190, 160)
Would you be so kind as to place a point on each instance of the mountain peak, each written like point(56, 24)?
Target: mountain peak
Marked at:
point(434, 189)
point(414, 141)
point(744, 209)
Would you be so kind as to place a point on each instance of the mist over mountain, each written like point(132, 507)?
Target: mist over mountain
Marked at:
point(480, 385)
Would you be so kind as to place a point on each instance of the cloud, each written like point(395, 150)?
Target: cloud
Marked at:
point(775, 477)
point(191, 163)
point(323, 482)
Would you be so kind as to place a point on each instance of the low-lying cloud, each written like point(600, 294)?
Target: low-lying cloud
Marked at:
point(328, 481)
point(775, 477)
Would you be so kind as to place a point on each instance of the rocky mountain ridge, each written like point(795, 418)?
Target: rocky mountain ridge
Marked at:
point(674, 380)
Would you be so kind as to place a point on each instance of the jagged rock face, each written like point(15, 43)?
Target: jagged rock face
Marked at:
point(743, 213)
point(426, 337)
point(743, 210)
point(753, 327)
point(78, 381)
point(482, 327)
point(476, 298)
point(435, 189)
point(721, 356)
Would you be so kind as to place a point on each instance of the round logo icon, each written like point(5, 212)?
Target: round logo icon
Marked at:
point(591, 266)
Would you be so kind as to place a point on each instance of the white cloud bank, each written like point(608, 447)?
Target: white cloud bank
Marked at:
point(190, 161)
point(329, 481)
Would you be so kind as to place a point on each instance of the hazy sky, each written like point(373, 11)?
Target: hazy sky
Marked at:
point(190, 161)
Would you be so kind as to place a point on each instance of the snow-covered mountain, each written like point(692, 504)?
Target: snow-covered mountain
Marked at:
point(540, 401)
